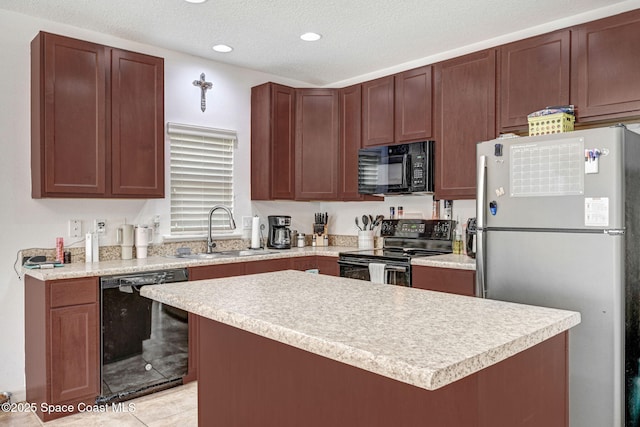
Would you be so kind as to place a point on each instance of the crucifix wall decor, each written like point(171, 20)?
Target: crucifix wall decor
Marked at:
point(203, 85)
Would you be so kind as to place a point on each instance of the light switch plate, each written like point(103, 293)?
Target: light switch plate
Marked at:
point(246, 222)
point(75, 228)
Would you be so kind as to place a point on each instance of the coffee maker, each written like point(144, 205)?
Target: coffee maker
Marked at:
point(279, 232)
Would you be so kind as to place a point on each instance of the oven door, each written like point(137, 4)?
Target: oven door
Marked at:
point(395, 273)
point(381, 172)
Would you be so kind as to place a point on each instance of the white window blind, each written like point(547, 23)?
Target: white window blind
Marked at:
point(201, 177)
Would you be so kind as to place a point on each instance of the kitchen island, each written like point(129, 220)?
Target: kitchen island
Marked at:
point(291, 348)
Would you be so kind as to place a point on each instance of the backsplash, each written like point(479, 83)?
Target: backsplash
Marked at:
point(112, 253)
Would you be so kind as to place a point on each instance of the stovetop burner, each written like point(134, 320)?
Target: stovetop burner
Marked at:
point(410, 238)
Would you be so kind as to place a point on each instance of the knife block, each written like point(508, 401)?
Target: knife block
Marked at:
point(320, 230)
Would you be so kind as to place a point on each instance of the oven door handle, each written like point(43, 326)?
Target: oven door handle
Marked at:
point(366, 264)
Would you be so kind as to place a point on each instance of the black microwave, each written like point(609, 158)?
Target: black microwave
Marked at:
point(402, 168)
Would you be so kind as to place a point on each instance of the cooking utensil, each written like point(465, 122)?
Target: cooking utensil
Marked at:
point(370, 222)
point(358, 224)
point(365, 221)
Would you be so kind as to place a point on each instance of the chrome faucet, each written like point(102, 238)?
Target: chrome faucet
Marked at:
point(232, 225)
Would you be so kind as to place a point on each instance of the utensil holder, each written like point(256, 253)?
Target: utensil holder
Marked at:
point(365, 239)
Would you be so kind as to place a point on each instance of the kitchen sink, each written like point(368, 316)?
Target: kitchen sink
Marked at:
point(224, 254)
point(248, 252)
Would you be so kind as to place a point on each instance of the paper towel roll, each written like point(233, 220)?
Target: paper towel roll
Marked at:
point(255, 233)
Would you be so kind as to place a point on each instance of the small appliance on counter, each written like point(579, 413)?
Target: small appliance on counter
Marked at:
point(279, 232)
point(470, 238)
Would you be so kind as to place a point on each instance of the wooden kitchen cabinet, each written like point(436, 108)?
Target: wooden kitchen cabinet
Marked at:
point(605, 68)
point(465, 93)
point(316, 144)
point(97, 116)
point(397, 108)
point(137, 124)
point(272, 142)
point(267, 266)
point(451, 280)
point(350, 104)
point(413, 105)
point(378, 103)
point(325, 265)
point(62, 358)
point(328, 266)
point(534, 73)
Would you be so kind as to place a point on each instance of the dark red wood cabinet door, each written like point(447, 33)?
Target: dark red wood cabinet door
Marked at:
point(350, 100)
point(606, 66)
point(465, 115)
point(68, 123)
point(75, 365)
point(534, 74)
point(377, 111)
point(282, 142)
point(439, 279)
point(413, 110)
point(267, 266)
point(316, 147)
point(328, 266)
point(137, 124)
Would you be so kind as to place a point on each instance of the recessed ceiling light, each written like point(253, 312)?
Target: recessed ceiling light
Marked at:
point(195, 1)
point(310, 37)
point(223, 48)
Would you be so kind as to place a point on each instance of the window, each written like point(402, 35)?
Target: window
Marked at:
point(201, 177)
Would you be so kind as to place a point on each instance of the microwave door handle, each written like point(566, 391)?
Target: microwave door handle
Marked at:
point(406, 169)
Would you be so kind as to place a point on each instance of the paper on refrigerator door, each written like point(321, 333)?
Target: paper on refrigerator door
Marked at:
point(596, 211)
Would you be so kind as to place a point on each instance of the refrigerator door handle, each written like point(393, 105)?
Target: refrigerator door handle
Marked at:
point(481, 180)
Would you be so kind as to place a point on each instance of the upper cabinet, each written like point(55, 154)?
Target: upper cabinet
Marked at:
point(316, 144)
point(96, 121)
point(350, 103)
point(533, 74)
point(377, 111)
point(605, 70)
point(272, 142)
point(397, 108)
point(413, 105)
point(465, 115)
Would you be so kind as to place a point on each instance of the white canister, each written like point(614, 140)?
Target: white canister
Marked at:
point(301, 240)
point(365, 239)
point(144, 235)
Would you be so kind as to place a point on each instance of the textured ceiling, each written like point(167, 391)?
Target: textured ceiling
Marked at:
point(359, 36)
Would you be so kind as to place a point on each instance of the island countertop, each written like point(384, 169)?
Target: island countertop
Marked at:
point(427, 339)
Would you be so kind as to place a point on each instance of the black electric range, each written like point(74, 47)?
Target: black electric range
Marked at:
point(404, 239)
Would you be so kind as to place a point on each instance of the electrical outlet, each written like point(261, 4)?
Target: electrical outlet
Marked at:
point(246, 222)
point(100, 226)
point(75, 228)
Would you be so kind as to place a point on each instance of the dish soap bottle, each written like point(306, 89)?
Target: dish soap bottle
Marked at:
point(457, 239)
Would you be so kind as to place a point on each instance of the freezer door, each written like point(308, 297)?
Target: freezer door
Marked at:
point(580, 272)
point(546, 181)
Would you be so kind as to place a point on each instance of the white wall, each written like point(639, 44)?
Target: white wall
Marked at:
point(28, 223)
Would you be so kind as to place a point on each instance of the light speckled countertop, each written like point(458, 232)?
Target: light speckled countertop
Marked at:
point(427, 339)
point(106, 268)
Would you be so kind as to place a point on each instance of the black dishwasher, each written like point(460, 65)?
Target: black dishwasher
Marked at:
point(144, 345)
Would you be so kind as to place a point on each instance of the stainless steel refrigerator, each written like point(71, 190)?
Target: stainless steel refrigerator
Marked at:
point(558, 221)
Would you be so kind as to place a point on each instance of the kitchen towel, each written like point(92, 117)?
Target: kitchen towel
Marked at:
point(255, 232)
point(377, 272)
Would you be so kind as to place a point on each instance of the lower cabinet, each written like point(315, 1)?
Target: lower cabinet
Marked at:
point(451, 280)
point(324, 265)
point(62, 358)
point(267, 266)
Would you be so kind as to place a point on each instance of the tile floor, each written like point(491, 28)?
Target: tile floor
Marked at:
point(176, 406)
